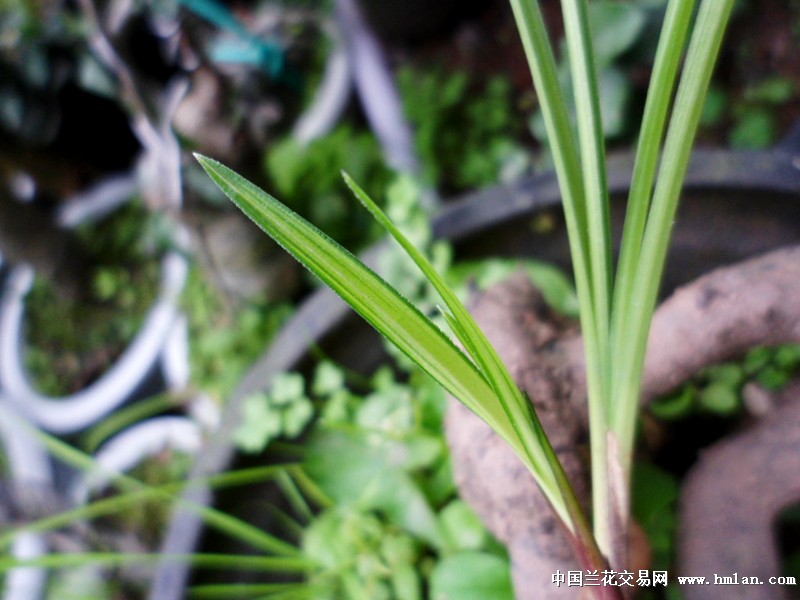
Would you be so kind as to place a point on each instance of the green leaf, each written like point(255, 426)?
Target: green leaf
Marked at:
point(615, 93)
point(472, 576)
point(328, 379)
point(757, 359)
point(462, 528)
point(676, 406)
point(788, 357)
point(296, 416)
point(719, 398)
point(366, 293)
point(260, 424)
point(755, 129)
point(526, 435)
point(359, 470)
point(286, 388)
point(655, 498)
point(615, 28)
point(729, 374)
point(285, 164)
point(715, 107)
point(775, 91)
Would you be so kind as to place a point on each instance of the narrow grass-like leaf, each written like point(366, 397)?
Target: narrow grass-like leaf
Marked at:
point(250, 590)
point(536, 451)
point(266, 564)
point(225, 523)
point(659, 96)
point(700, 60)
point(567, 162)
point(310, 488)
point(120, 502)
point(293, 495)
point(592, 156)
point(369, 295)
point(596, 330)
point(125, 416)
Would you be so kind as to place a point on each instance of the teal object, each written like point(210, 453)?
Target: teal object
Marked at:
point(243, 47)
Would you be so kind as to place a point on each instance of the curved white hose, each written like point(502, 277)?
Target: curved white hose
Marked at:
point(30, 473)
point(175, 362)
point(77, 411)
point(98, 201)
point(26, 583)
point(331, 97)
point(377, 90)
point(129, 448)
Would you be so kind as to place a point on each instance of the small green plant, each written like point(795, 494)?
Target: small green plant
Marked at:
point(285, 411)
point(718, 390)
point(615, 310)
point(307, 177)
point(225, 340)
point(73, 339)
point(463, 143)
point(751, 113)
point(389, 524)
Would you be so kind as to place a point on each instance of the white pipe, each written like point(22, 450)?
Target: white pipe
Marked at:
point(331, 97)
point(175, 362)
point(129, 448)
point(30, 473)
point(377, 90)
point(77, 411)
point(96, 202)
point(26, 583)
point(380, 97)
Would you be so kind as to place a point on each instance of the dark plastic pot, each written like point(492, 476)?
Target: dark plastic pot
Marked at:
point(736, 204)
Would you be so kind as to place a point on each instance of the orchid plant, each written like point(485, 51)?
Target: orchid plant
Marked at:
point(616, 302)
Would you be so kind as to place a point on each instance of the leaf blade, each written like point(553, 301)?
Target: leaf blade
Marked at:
point(532, 441)
point(380, 305)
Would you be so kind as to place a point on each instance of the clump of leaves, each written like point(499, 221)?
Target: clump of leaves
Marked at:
point(717, 390)
point(283, 412)
point(751, 115)
point(225, 339)
point(392, 526)
point(467, 133)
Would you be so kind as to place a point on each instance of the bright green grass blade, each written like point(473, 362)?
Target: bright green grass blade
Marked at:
point(310, 489)
point(228, 524)
point(701, 58)
point(125, 416)
point(519, 409)
point(248, 591)
point(593, 163)
point(369, 295)
point(119, 503)
point(625, 397)
point(294, 496)
point(598, 231)
point(659, 96)
point(266, 564)
point(537, 452)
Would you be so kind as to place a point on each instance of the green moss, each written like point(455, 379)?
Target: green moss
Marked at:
point(72, 341)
